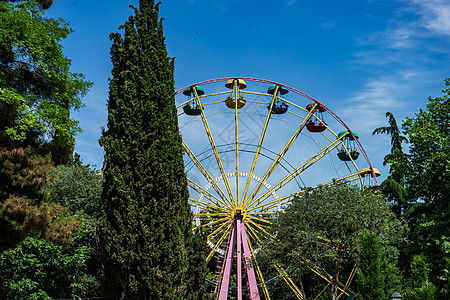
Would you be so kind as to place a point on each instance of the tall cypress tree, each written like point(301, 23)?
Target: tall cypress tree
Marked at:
point(146, 226)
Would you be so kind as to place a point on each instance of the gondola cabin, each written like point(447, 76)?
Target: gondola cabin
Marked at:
point(348, 151)
point(235, 85)
point(367, 175)
point(368, 172)
point(316, 122)
point(191, 108)
point(279, 107)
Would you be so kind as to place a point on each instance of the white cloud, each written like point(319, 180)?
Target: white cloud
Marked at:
point(435, 14)
point(367, 108)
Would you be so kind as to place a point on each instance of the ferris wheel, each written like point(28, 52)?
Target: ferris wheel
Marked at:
point(251, 146)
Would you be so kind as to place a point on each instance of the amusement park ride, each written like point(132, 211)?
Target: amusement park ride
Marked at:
point(248, 153)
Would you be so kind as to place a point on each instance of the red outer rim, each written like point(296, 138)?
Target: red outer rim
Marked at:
point(297, 92)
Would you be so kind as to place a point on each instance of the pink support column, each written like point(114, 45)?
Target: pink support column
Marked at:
point(238, 223)
point(238, 238)
point(222, 294)
point(248, 264)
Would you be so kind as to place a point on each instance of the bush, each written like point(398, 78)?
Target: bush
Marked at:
point(38, 269)
point(78, 188)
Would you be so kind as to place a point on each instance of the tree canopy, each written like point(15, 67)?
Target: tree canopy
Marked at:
point(37, 89)
point(428, 182)
point(321, 230)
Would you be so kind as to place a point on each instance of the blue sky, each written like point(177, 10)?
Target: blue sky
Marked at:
point(360, 58)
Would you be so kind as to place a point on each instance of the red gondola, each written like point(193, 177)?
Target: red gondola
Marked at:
point(316, 123)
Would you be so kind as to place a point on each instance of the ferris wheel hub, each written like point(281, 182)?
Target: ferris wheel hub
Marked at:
point(238, 213)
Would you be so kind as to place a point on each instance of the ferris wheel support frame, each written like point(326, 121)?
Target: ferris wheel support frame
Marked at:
point(239, 239)
point(227, 213)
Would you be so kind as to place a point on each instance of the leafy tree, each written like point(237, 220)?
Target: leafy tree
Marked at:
point(429, 183)
point(321, 231)
point(22, 175)
point(146, 227)
point(22, 216)
point(44, 3)
point(37, 269)
point(77, 187)
point(394, 186)
point(394, 131)
point(37, 89)
point(370, 277)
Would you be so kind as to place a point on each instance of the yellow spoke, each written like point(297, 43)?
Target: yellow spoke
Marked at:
point(252, 232)
point(259, 228)
point(296, 172)
point(278, 159)
point(320, 273)
point(212, 223)
point(206, 206)
point(203, 191)
point(289, 281)
point(260, 220)
point(210, 215)
point(210, 255)
point(289, 197)
point(205, 173)
point(263, 213)
point(265, 206)
point(214, 148)
point(349, 280)
point(199, 205)
point(218, 228)
point(261, 139)
point(323, 290)
point(217, 231)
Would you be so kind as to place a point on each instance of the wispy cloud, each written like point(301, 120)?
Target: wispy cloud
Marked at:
point(291, 2)
point(399, 59)
point(367, 107)
point(435, 15)
point(328, 25)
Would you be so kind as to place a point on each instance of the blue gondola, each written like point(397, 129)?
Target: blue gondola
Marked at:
point(278, 107)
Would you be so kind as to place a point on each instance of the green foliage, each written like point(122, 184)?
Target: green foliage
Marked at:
point(146, 227)
point(370, 277)
point(197, 250)
point(37, 90)
point(76, 187)
point(22, 172)
point(43, 3)
point(421, 287)
point(430, 151)
point(394, 131)
point(394, 186)
point(37, 269)
point(321, 230)
point(429, 183)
